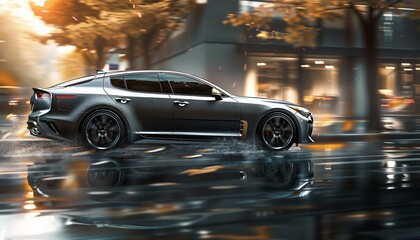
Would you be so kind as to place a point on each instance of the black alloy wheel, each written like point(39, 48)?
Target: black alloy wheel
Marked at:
point(277, 132)
point(103, 130)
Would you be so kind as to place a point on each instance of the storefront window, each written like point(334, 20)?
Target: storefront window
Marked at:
point(277, 78)
point(388, 76)
point(398, 87)
point(320, 84)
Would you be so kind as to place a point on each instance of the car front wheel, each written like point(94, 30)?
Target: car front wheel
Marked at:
point(276, 132)
point(103, 130)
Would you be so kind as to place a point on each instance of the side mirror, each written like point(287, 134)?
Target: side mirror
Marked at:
point(216, 94)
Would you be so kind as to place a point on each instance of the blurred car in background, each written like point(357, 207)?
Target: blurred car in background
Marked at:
point(14, 100)
point(392, 104)
point(14, 107)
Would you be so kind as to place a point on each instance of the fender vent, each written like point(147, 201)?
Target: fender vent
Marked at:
point(243, 130)
point(53, 127)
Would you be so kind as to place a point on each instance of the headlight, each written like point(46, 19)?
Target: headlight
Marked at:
point(302, 111)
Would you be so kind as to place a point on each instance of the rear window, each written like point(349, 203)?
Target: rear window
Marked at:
point(75, 81)
point(145, 82)
point(118, 82)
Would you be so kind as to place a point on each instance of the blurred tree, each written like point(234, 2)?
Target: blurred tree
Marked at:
point(75, 24)
point(94, 27)
point(69, 65)
point(92, 39)
point(142, 24)
point(23, 61)
point(302, 16)
point(63, 13)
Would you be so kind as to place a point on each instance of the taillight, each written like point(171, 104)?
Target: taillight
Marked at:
point(65, 96)
point(42, 95)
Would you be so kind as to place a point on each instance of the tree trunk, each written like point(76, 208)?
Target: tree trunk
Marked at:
point(147, 58)
point(89, 63)
point(131, 52)
point(374, 118)
point(100, 44)
point(146, 45)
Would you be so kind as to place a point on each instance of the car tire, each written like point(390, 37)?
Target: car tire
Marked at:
point(276, 131)
point(102, 130)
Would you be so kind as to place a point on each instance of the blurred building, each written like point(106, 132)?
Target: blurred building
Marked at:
point(329, 79)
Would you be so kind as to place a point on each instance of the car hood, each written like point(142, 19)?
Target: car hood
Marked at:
point(262, 100)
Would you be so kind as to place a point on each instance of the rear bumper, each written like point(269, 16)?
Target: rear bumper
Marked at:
point(34, 128)
point(44, 129)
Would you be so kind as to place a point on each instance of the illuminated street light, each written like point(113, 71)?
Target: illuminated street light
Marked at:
point(319, 62)
point(201, 1)
point(405, 64)
point(261, 64)
point(390, 68)
point(329, 66)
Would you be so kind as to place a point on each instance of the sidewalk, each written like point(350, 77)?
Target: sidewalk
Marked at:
point(352, 137)
point(331, 129)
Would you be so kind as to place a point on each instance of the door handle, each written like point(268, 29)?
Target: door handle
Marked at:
point(123, 100)
point(181, 103)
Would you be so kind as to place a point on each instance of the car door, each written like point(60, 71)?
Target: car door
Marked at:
point(196, 112)
point(139, 96)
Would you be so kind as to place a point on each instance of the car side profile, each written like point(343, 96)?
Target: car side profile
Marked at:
point(112, 108)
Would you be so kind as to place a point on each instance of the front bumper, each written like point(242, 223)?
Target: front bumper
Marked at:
point(306, 127)
point(310, 128)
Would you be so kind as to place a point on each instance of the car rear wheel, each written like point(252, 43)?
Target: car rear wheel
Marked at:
point(103, 130)
point(276, 132)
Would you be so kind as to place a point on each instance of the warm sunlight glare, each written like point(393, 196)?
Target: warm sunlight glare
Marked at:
point(21, 10)
point(39, 2)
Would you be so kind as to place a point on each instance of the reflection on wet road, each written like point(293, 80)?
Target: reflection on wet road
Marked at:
point(365, 190)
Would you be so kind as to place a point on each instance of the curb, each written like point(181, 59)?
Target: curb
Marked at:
point(366, 137)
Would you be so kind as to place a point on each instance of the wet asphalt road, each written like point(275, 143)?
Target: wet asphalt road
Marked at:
point(219, 190)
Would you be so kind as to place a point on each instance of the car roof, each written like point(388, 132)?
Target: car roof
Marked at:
point(145, 71)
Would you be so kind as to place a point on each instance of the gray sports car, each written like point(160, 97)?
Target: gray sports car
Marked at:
point(109, 109)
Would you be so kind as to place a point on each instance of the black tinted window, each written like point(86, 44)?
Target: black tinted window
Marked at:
point(143, 82)
point(188, 86)
point(118, 82)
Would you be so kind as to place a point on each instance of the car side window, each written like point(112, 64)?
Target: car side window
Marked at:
point(143, 82)
point(187, 86)
point(118, 81)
